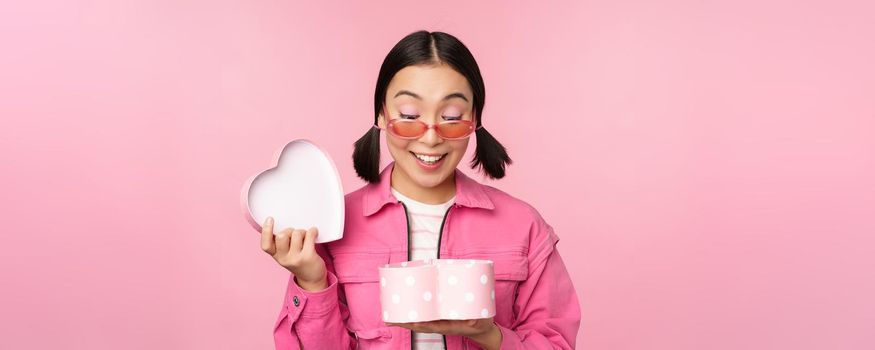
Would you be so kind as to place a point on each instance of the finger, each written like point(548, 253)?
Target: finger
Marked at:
point(310, 240)
point(267, 239)
point(282, 242)
point(297, 241)
point(402, 325)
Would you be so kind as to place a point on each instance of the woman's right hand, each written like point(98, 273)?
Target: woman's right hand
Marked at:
point(296, 251)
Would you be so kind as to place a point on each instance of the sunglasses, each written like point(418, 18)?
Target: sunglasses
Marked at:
point(409, 129)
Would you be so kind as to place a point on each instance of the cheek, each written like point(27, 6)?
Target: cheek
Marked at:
point(459, 147)
point(393, 142)
point(397, 146)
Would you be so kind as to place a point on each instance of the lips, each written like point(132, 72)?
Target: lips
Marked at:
point(429, 154)
point(429, 161)
point(429, 157)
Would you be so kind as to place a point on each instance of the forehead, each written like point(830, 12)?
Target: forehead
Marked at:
point(430, 82)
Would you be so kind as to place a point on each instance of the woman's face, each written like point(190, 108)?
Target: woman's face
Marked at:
point(431, 94)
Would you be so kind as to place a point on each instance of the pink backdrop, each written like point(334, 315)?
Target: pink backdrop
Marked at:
point(709, 166)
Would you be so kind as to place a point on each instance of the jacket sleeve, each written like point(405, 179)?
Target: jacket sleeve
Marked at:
point(546, 307)
point(314, 320)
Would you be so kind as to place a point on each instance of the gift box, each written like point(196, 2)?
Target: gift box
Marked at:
point(433, 289)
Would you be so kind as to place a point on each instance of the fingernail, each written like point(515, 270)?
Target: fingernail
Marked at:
point(268, 221)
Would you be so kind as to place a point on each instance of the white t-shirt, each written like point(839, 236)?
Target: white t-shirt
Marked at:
point(425, 224)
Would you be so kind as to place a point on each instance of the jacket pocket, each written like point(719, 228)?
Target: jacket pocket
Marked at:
point(359, 277)
point(511, 267)
point(353, 267)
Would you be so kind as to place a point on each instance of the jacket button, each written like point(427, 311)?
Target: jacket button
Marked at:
point(295, 300)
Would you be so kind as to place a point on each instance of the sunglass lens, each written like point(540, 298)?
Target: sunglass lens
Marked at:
point(409, 129)
point(455, 130)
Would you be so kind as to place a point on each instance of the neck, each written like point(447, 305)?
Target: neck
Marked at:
point(429, 195)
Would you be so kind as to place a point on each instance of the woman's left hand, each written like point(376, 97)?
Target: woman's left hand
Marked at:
point(478, 330)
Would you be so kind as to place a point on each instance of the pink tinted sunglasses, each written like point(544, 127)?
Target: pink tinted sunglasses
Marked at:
point(409, 129)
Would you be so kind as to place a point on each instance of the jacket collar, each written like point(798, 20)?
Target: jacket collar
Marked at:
point(469, 193)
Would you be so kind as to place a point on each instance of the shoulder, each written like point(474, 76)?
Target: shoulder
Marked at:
point(355, 195)
point(507, 204)
point(355, 199)
point(509, 208)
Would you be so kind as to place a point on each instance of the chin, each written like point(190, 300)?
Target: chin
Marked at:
point(425, 179)
point(429, 181)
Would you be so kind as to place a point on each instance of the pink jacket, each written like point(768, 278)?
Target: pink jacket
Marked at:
point(536, 304)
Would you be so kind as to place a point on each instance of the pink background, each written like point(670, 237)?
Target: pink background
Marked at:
point(708, 165)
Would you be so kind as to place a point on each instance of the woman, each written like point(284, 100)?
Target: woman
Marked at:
point(429, 98)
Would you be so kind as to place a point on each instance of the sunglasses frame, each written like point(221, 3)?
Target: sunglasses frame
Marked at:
point(390, 127)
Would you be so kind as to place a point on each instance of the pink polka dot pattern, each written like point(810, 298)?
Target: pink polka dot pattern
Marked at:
point(465, 290)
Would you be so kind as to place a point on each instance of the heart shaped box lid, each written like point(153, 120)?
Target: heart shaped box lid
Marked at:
point(302, 190)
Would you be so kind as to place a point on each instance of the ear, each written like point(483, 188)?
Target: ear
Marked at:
point(381, 121)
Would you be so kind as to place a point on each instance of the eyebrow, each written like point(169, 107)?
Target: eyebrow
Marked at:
point(455, 94)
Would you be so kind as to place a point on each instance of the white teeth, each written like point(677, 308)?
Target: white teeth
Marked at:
point(428, 159)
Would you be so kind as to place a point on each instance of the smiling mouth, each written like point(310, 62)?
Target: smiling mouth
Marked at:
point(429, 160)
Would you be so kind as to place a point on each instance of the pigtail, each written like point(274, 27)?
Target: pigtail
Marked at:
point(490, 155)
point(366, 156)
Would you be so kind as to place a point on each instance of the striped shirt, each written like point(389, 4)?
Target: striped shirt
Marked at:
point(425, 224)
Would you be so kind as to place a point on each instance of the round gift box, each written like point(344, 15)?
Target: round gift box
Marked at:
point(433, 289)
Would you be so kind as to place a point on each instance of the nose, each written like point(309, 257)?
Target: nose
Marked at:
point(431, 137)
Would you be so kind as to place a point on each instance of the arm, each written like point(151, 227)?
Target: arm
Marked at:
point(547, 308)
point(318, 319)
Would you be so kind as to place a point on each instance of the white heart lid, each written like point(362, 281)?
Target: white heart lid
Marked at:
point(302, 190)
